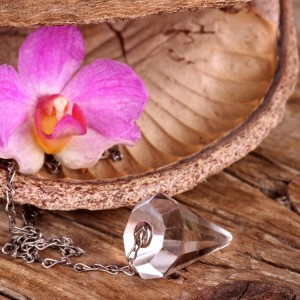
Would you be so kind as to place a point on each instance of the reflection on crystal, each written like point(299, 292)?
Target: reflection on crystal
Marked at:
point(179, 236)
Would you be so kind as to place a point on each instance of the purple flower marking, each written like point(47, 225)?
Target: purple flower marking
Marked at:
point(49, 106)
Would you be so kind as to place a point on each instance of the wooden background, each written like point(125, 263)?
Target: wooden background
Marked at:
point(257, 199)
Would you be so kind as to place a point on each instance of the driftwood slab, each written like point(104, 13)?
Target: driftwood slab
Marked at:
point(257, 199)
point(218, 84)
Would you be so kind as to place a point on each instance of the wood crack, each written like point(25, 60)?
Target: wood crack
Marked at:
point(240, 178)
point(287, 201)
point(221, 266)
point(243, 291)
point(8, 296)
point(250, 289)
point(280, 238)
point(12, 295)
point(273, 264)
point(271, 161)
point(120, 38)
point(271, 194)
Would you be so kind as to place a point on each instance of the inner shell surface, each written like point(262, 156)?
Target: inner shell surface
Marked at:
point(205, 73)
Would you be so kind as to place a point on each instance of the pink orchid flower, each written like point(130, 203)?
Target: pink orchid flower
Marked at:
point(51, 106)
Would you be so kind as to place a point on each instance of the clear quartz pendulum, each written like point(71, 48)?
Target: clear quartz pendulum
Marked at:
point(177, 236)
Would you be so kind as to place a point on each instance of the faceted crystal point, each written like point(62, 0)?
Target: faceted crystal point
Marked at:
point(179, 236)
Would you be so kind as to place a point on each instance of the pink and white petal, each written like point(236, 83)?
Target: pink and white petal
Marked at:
point(84, 151)
point(23, 148)
point(15, 104)
point(49, 57)
point(112, 97)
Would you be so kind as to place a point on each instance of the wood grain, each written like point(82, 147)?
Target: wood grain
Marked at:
point(247, 199)
point(58, 12)
point(229, 93)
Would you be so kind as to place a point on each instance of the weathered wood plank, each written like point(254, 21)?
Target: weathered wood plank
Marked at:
point(262, 249)
point(231, 103)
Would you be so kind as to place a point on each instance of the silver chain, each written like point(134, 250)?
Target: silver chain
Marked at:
point(114, 153)
point(27, 242)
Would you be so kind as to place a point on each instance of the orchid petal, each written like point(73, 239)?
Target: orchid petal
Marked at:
point(49, 57)
point(68, 125)
point(112, 97)
point(23, 148)
point(61, 131)
point(84, 151)
point(15, 105)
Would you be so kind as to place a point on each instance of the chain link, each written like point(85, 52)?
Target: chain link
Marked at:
point(27, 242)
point(114, 153)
